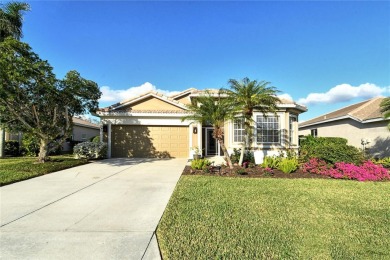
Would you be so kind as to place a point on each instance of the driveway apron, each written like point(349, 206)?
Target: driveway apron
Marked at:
point(104, 210)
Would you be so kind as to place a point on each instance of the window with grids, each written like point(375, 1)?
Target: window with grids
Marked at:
point(268, 129)
point(238, 131)
point(293, 119)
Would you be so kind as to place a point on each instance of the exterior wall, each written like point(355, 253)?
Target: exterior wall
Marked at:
point(79, 131)
point(77, 135)
point(195, 138)
point(354, 132)
point(262, 150)
point(151, 103)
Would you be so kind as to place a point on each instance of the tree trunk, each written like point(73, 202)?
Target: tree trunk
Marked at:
point(246, 143)
point(225, 153)
point(2, 142)
point(43, 150)
point(242, 152)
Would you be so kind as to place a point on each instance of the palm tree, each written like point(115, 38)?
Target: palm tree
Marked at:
point(11, 19)
point(247, 96)
point(385, 108)
point(214, 110)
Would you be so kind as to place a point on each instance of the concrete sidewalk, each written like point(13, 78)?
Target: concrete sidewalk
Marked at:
point(103, 210)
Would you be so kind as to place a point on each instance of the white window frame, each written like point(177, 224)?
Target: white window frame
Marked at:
point(279, 126)
point(291, 129)
point(236, 122)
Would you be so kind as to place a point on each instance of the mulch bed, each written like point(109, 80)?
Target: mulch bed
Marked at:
point(256, 172)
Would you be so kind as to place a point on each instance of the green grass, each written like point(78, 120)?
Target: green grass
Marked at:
point(22, 168)
point(236, 218)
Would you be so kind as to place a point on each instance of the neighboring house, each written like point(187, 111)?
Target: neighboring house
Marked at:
point(82, 131)
point(150, 125)
point(362, 124)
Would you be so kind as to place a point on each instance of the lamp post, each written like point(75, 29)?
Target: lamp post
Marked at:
point(2, 142)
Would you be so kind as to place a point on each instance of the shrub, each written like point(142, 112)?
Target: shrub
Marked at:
point(241, 171)
point(200, 164)
point(316, 166)
point(330, 149)
point(248, 156)
point(368, 171)
point(384, 161)
point(11, 148)
point(287, 165)
point(268, 172)
point(90, 150)
point(30, 145)
point(95, 139)
point(271, 162)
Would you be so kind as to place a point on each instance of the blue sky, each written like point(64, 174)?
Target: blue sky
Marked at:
point(324, 55)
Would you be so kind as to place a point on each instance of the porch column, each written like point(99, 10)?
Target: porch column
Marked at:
point(109, 140)
point(200, 133)
point(101, 131)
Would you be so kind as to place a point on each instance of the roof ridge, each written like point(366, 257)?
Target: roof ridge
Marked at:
point(145, 94)
point(183, 92)
point(323, 115)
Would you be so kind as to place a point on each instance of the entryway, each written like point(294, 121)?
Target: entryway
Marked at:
point(212, 147)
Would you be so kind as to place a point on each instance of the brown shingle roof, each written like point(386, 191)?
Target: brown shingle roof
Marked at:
point(81, 122)
point(362, 111)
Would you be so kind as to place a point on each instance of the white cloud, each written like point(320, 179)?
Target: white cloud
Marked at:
point(116, 95)
point(285, 96)
point(344, 92)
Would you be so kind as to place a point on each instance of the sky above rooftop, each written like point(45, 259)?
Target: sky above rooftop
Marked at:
point(324, 55)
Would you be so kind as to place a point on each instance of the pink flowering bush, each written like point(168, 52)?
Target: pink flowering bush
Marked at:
point(368, 171)
point(315, 165)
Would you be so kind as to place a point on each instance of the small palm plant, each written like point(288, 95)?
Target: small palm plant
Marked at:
point(246, 96)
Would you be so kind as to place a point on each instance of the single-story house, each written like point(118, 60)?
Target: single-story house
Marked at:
point(150, 125)
point(362, 124)
point(82, 131)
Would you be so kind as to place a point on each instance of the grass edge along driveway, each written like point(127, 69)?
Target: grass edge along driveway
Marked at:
point(16, 169)
point(237, 218)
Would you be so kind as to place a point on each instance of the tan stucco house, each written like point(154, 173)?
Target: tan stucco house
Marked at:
point(362, 124)
point(150, 125)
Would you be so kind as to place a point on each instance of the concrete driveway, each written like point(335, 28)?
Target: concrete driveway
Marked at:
point(104, 210)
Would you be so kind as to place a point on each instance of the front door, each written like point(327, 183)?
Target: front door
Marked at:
point(211, 143)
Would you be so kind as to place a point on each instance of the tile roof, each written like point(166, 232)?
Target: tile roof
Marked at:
point(193, 93)
point(362, 111)
point(140, 97)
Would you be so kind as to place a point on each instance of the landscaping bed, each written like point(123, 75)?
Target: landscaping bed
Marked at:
point(254, 172)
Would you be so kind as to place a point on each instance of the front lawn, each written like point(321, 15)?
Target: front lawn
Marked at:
point(22, 168)
point(236, 218)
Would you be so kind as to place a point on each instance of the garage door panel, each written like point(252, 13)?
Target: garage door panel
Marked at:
point(150, 141)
